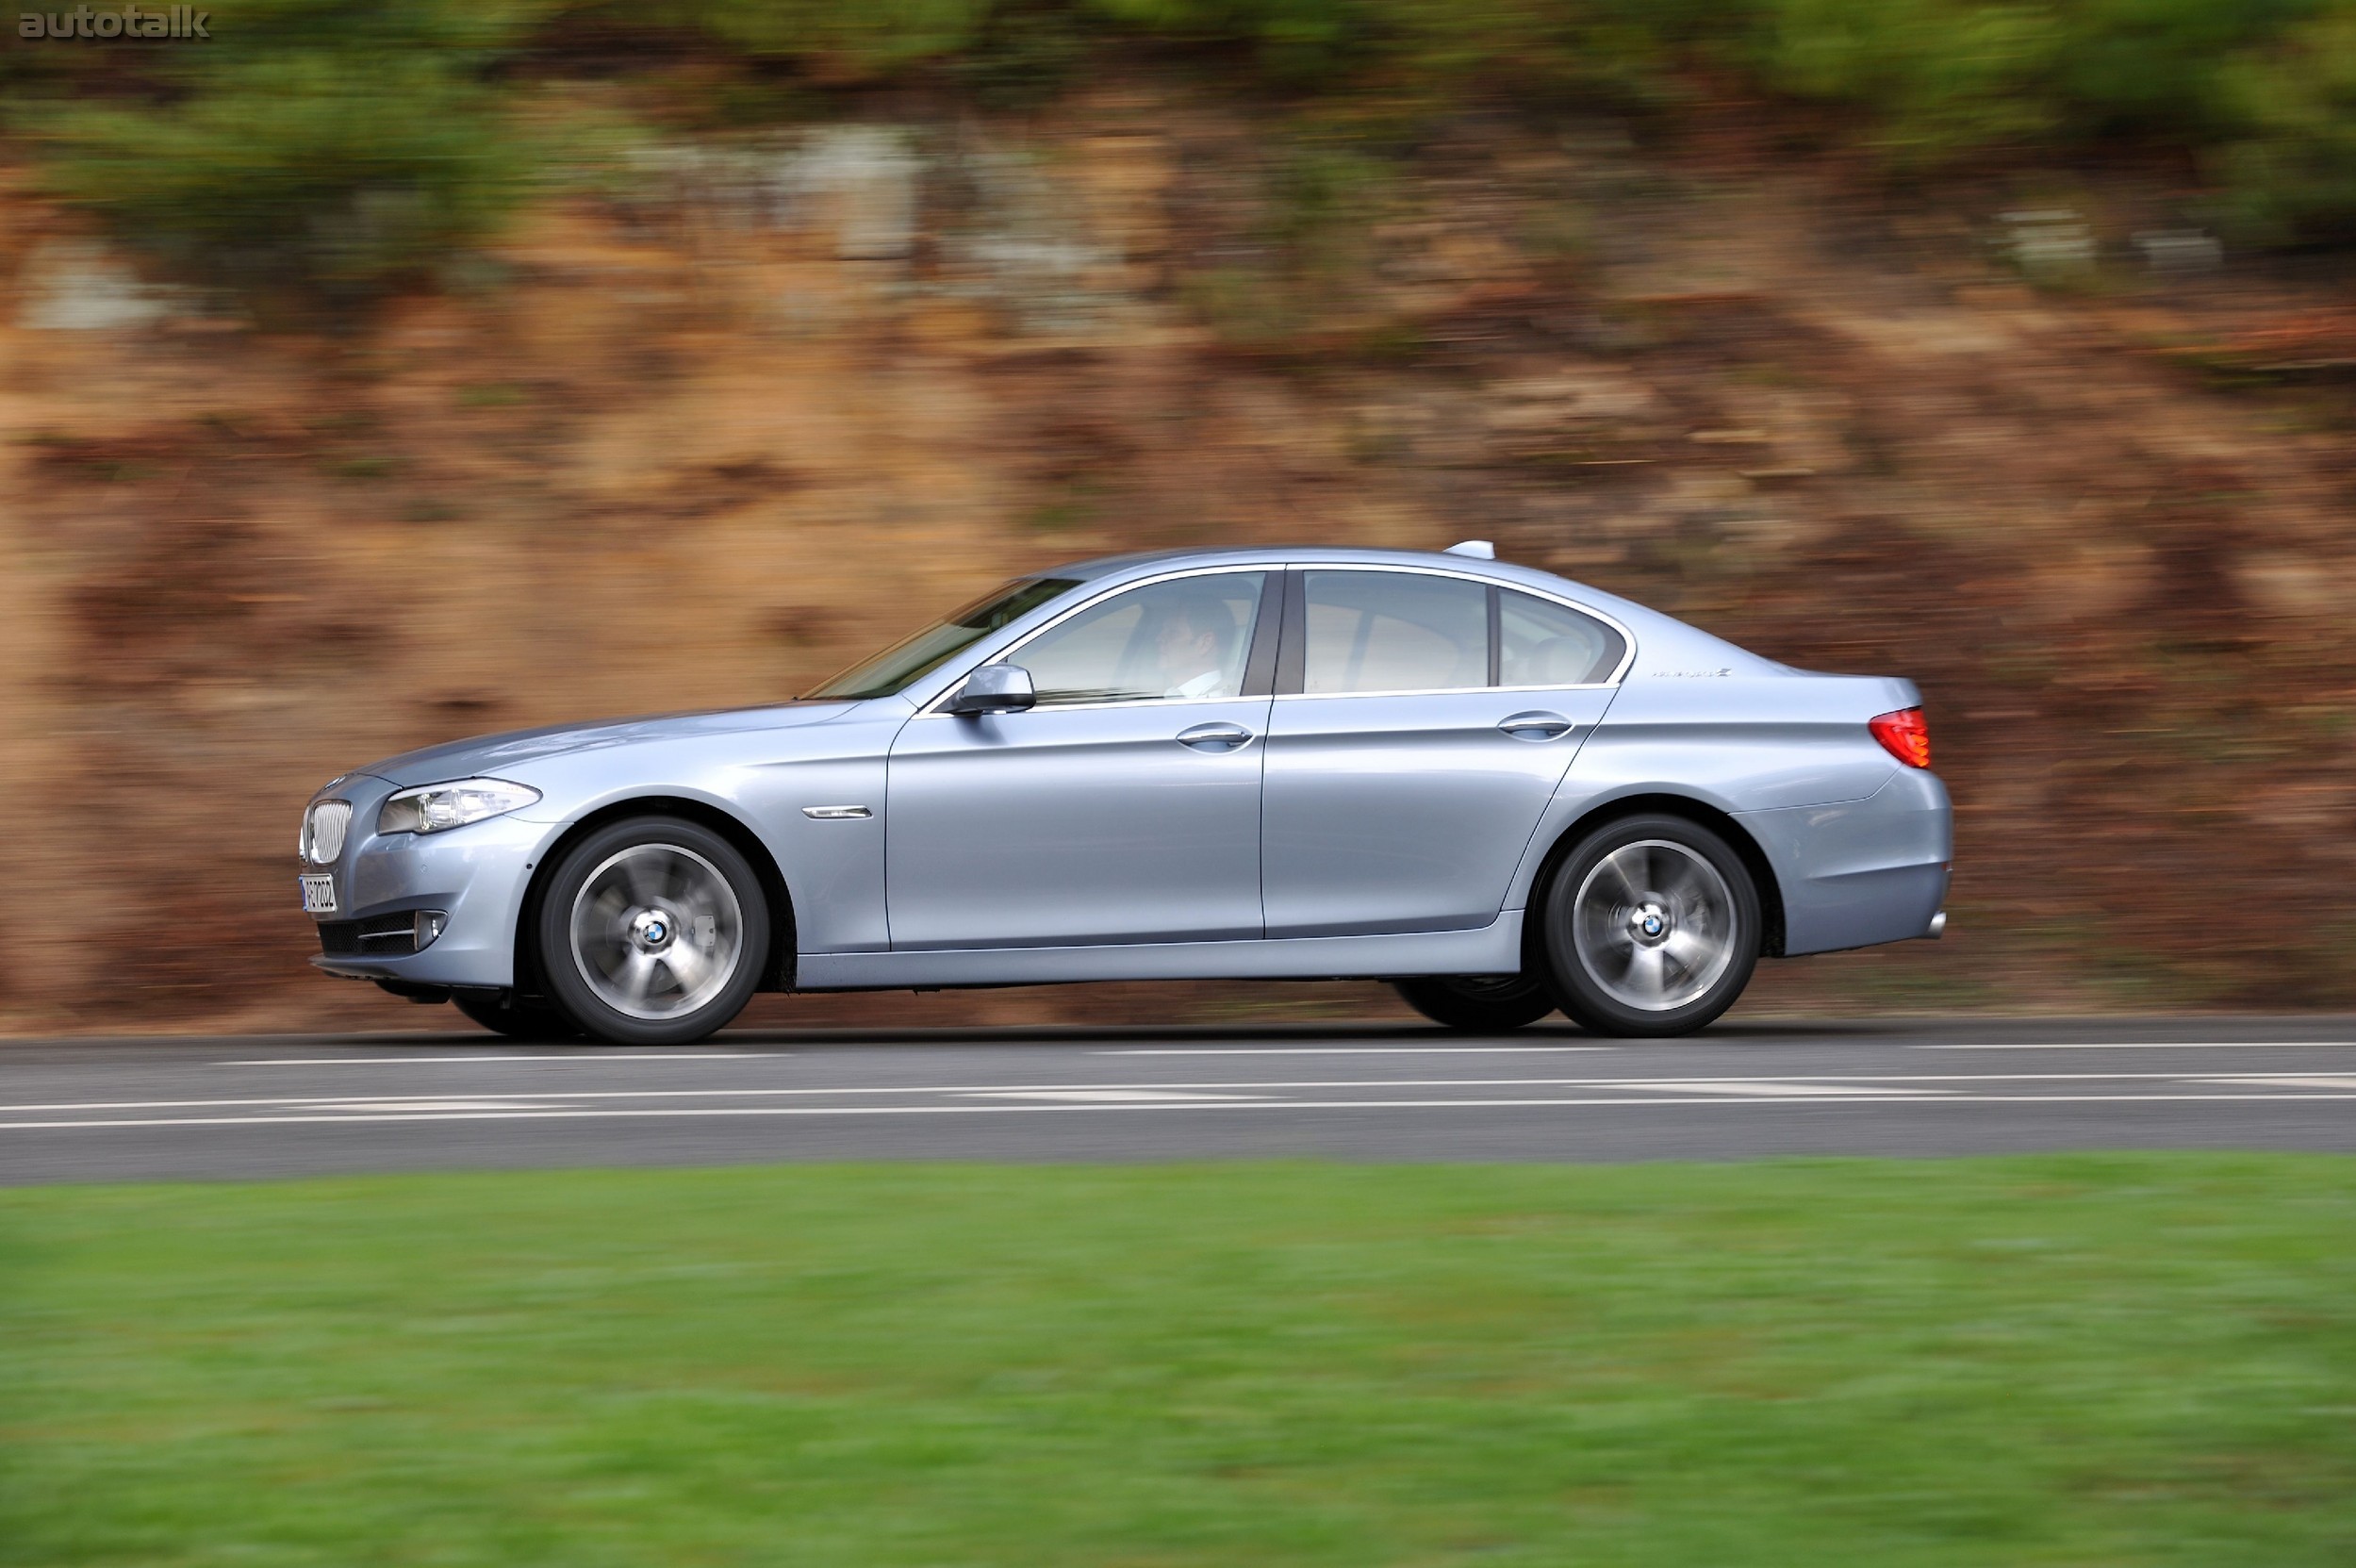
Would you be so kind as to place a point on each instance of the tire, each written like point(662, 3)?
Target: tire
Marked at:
point(1479, 1004)
point(519, 1018)
point(653, 932)
point(1644, 886)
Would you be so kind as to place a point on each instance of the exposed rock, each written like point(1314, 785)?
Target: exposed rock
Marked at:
point(83, 286)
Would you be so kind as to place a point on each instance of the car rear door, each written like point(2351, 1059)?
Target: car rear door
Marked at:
point(1124, 807)
point(1422, 718)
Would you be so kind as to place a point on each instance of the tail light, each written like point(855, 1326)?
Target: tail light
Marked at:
point(1905, 735)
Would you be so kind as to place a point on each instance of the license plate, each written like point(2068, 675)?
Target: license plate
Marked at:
point(318, 895)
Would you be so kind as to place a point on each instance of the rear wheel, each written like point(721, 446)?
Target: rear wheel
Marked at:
point(516, 1018)
point(1479, 1005)
point(653, 932)
point(1652, 927)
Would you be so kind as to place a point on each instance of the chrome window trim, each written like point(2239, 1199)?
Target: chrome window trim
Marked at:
point(1432, 691)
point(1618, 673)
point(1276, 568)
point(932, 709)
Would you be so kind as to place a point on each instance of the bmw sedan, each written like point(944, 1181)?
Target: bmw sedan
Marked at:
point(1502, 792)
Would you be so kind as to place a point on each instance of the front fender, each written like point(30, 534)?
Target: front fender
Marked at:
point(764, 782)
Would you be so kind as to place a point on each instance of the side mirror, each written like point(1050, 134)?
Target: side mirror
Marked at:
point(995, 688)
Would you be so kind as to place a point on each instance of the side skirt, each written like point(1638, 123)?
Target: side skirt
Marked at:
point(1493, 949)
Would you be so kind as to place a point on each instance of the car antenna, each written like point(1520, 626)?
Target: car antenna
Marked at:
point(1480, 550)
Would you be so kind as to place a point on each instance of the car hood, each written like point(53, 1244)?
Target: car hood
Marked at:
point(484, 756)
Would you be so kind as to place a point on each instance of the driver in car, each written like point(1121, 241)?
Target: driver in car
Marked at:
point(1193, 646)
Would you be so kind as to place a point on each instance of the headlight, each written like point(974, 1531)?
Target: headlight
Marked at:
point(430, 808)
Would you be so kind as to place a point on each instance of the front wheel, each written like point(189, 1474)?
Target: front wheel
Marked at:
point(1652, 927)
point(653, 932)
point(1479, 1004)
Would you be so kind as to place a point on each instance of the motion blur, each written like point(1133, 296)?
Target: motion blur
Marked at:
point(380, 373)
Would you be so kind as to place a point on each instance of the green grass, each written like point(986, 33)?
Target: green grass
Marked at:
point(2101, 1360)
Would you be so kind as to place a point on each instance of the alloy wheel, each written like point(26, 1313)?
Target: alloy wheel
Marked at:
point(656, 931)
point(1655, 925)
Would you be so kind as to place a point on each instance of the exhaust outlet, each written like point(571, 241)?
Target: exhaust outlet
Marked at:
point(1937, 929)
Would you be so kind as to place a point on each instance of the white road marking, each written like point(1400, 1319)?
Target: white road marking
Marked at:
point(1826, 1084)
point(1347, 1050)
point(366, 1106)
point(2286, 1081)
point(1238, 1103)
point(498, 1056)
point(1766, 1086)
point(1107, 1097)
point(2147, 1044)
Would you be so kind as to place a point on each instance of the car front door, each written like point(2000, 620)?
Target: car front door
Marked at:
point(1423, 721)
point(1123, 807)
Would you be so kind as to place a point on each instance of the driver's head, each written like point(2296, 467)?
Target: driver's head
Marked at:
point(1194, 635)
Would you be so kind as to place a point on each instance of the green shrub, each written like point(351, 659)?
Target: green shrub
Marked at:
point(1949, 76)
point(2290, 172)
point(1940, 76)
point(849, 38)
point(344, 144)
point(331, 146)
point(1540, 50)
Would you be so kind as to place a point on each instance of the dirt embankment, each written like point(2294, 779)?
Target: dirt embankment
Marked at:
point(703, 443)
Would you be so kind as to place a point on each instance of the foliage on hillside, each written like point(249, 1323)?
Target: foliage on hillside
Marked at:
point(704, 445)
point(818, 318)
point(351, 145)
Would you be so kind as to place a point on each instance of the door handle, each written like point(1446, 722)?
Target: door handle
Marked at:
point(1536, 725)
point(1214, 737)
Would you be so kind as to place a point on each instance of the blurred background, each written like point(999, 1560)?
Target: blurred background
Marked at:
point(376, 373)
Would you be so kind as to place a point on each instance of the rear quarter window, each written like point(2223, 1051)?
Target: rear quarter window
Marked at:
point(1541, 643)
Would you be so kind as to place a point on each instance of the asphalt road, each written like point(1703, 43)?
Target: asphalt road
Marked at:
point(285, 1105)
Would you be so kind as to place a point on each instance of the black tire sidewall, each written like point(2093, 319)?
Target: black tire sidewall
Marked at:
point(1436, 999)
point(1583, 1000)
point(570, 993)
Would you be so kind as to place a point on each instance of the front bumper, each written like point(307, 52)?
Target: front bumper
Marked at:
point(476, 875)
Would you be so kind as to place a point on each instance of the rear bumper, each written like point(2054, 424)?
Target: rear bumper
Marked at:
point(475, 875)
point(1864, 871)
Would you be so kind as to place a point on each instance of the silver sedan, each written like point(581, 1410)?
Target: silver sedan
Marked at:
point(1501, 791)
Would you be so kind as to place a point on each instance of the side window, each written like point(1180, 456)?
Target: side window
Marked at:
point(1393, 631)
point(1544, 644)
point(1188, 637)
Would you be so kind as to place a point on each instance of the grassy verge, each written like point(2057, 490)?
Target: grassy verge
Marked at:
point(2096, 1360)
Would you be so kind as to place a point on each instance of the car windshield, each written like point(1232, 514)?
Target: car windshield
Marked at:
point(901, 663)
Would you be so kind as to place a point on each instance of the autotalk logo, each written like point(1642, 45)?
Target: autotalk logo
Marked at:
point(130, 21)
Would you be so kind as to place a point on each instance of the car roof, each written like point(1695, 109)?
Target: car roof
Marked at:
point(1267, 554)
point(1144, 563)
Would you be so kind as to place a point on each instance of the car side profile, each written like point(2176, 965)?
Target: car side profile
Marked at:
point(1503, 792)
